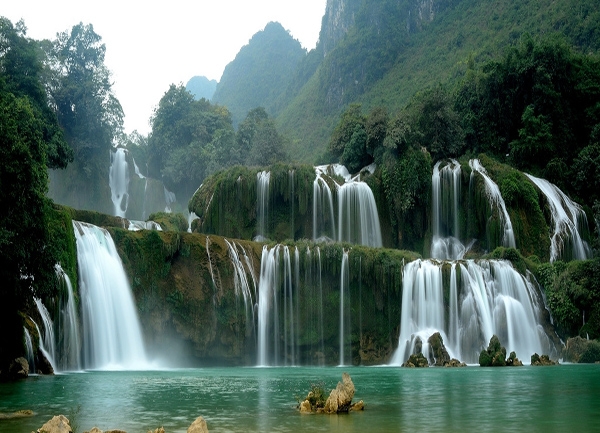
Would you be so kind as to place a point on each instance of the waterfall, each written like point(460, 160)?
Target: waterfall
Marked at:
point(344, 308)
point(445, 185)
point(112, 338)
point(323, 213)
point(496, 200)
point(69, 344)
point(170, 198)
point(47, 339)
point(568, 217)
point(262, 205)
point(357, 215)
point(278, 307)
point(119, 181)
point(486, 298)
point(242, 285)
point(29, 350)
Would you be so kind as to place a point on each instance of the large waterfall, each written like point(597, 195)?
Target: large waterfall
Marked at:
point(111, 336)
point(486, 298)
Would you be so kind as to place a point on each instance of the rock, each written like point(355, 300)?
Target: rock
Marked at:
point(340, 398)
point(358, 406)
point(513, 361)
point(17, 414)
point(58, 424)
point(158, 430)
point(94, 430)
point(416, 360)
point(544, 360)
point(455, 363)
point(438, 354)
point(494, 356)
point(115, 431)
point(18, 369)
point(305, 407)
point(582, 350)
point(198, 426)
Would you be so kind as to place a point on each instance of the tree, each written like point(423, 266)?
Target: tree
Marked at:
point(259, 140)
point(345, 128)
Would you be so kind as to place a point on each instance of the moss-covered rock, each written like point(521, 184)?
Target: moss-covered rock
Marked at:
point(542, 360)
point(581, 350)
point(494, 356)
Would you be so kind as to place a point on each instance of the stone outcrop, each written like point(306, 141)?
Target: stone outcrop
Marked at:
point(198, 426)
point(158, 430)
point(18, 414)
point(495, 355)
point(340, 398)
point(58, 424)
point(18, 369)
point(581, 350)
point(416, 360)
point(544, 360)
point(455, 363)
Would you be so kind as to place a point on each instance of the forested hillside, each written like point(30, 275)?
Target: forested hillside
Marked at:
point(382, 54)
point(260, 73)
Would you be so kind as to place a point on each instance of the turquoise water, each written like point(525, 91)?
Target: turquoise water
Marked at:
point(473, 399)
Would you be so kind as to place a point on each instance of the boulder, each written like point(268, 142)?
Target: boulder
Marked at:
point(544, 360)
point(455, 363)
point(58, 424)
point(198, 426)
point(18, 369)
point(513, 361)
point(158, 430)
point(358, 406)
point(416, 360)
point(340, 398)
point(94, 430)
point(305, 407)
point(494, 356)
point(438, 355)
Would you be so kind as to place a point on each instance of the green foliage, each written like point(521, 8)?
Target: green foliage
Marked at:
point(170, 221)
point(592, 353)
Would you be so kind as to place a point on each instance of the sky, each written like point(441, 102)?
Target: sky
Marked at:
point(151, 45)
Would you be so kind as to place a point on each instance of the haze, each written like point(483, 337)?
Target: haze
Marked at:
point(150, 45)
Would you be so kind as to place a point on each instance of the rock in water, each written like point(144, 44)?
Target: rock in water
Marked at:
point(438, 354)
point(541, 360)
point(340, 398)
point(198, 426)
point(19, 368)
point(58, 424)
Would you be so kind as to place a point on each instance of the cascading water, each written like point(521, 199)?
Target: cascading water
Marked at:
point(496, 201)
point(568, 217)
point(323, 213)
point(267, 305)
point(69, 344)
point(47, 339)
point(445, 185)
point(486, 298)
point(112, 337)
point(357, 215)
point(242, 285)
point(119, 181)
point(344, 308)
point(262, 205)
point(29, 350)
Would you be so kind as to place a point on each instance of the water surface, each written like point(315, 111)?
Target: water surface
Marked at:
point(472, 399)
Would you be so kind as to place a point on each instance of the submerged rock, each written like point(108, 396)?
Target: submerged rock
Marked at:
point(340, 398)
point(18, 414)
point(58, 424)
point(541, 360)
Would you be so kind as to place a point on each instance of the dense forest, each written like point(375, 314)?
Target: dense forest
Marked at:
point(401, 84)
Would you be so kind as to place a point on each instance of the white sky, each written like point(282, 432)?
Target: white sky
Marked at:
point(150, 45)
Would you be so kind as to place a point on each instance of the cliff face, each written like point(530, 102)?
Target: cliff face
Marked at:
point(340, 16)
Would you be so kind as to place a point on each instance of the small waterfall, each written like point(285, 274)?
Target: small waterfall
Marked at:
point(344, 308)
point(29, 350)
point(262, 205)
point(242, 285)
point(135, 225)
point(47, 339)
point(69, 343)
point(323, 213)
point(191, 218)
point(291, 174)
point(119, 181)
point(170, 198)
point(267, 303)
point(568, 217)
point(486, 298)
point(357, 215)
point(445, 185)
point(496, 200)
point(112, 338)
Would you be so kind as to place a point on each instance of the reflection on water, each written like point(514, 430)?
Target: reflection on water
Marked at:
point(562, 398)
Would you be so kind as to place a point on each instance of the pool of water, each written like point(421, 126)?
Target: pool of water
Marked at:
point(472, 399)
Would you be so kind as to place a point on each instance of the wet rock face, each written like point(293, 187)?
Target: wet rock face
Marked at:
point(58, 424)
point(416, 360)
point(541, 360)
point(438, 355)
point(495, 356)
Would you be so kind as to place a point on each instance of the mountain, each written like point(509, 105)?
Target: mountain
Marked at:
point(201, 87)
point(382, 54)
point(260, 73)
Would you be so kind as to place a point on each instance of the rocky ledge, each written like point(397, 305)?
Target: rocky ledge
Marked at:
point(61, 424)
